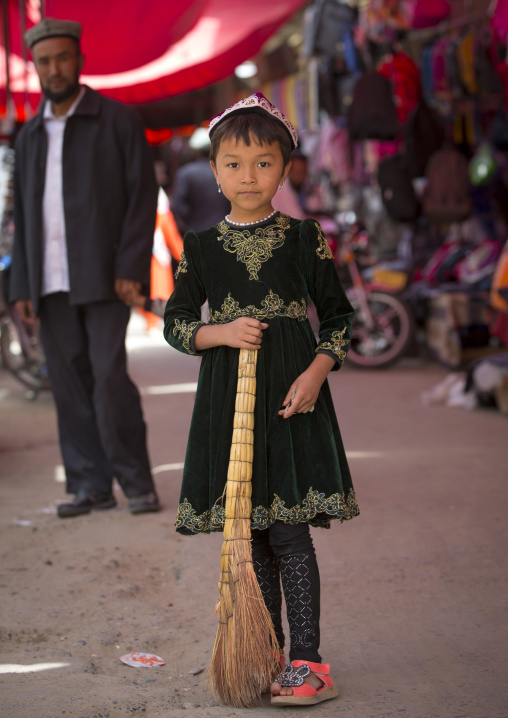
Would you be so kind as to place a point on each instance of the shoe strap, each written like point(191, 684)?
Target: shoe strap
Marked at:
point(321, 669)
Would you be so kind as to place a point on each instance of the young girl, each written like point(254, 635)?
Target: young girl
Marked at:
point(257, 268)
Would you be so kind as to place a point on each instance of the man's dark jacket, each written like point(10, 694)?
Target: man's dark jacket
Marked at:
point(109, 196)
point(195, 201)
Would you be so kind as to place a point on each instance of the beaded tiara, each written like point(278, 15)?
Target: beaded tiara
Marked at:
point(255, 103)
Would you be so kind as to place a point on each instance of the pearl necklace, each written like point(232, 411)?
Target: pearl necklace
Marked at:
point(247, 224)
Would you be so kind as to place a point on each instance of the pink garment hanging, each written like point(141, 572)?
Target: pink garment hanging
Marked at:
point(426, 13)
point(499, 19)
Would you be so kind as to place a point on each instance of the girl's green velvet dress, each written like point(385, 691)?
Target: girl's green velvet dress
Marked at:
point(266, 271)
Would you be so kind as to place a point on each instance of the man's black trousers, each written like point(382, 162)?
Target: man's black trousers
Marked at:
point(100, 420)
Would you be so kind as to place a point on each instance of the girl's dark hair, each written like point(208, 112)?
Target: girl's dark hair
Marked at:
point(263, 128)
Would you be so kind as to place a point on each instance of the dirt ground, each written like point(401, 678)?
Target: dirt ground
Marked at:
point(414, 590)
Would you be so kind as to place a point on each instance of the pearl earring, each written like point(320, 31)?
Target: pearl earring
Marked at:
point(219, 188)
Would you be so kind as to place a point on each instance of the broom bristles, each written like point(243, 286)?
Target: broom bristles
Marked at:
point(245, 652)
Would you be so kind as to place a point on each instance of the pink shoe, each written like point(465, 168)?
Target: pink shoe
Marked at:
point(293, 677)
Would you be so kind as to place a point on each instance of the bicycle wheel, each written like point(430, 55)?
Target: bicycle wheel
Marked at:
point(381, 338)
point(29, 370)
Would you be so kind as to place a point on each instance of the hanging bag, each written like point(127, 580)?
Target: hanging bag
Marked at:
point(372, 114)
point(447, 196)
point(424, 134)
point(335, 88)
point(397, 192)
point(329, 30)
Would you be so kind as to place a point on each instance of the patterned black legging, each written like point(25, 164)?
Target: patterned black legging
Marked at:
point(286, 552)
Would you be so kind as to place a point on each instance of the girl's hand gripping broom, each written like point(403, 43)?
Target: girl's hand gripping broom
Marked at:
point(245, 653)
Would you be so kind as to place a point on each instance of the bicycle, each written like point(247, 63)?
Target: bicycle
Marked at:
point(382, 325)
point(20, 345)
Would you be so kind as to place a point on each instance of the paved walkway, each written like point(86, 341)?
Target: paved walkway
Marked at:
point(414, 590)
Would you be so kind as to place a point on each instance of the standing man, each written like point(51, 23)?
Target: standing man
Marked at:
point(195, 202)
point(85, 204)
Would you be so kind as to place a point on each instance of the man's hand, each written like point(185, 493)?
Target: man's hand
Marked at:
point(125, 289)
point(25, 311)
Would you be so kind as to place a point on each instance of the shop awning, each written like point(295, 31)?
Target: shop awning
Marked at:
point(140, 51)
point(118, 35)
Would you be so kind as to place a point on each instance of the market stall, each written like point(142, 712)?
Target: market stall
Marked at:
point(407, 133)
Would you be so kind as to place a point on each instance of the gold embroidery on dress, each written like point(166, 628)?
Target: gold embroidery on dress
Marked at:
point(182, 266)
point(336, 506)
point(185, 331)
point(254, 248)
point(209, 521)
point(271, 306)
point(323, 251)
point(336, 344)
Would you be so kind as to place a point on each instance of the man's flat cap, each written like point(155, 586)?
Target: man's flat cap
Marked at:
point(50, 27)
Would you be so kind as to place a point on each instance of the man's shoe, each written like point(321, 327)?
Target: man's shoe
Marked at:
point(84, 503)
point(144, 504)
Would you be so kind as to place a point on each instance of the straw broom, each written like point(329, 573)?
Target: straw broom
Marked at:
point(243, 659)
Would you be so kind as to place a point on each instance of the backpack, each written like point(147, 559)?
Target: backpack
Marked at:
point(335, 89)
point(372, 114)
point(447, 195)
point(397, 192)
point(329, 30)
point(424, 134)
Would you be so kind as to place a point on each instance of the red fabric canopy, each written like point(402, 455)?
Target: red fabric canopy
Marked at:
point(118, 35)
point(145, 50)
